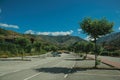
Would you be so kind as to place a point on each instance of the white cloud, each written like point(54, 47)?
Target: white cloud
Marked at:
point(88, 38)
point(119, 28)
point(43, 33)
point(29, 32)
point(61, 33)
point(9, 26)
point(57, 33)
point(79, 30)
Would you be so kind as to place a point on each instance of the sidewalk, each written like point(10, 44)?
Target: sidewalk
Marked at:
point(106, 61)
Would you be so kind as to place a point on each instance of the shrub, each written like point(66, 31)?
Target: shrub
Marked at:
point(116, 53)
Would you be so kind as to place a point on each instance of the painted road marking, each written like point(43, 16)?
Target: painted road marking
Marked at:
point(1, 74)
point(16, 70)
point(35, 65)
point(66, 75)
point(38, 73)
point(31, 76)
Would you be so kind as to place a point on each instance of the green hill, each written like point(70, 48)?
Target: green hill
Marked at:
point(8, 34)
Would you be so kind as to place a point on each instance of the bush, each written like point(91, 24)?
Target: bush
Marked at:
point(81, 55)
point(37, 46)
point(108, 53)
point(116, 53)
point(10, 47)
point(98, 61)
point(28, 48)
point(105, 53)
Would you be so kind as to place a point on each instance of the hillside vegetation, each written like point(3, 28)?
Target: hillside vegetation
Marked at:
point(62, 40)
point(110, 40)
point(13, 43)
point(111, 44)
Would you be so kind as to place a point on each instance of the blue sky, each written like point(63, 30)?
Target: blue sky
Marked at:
point(55, 17)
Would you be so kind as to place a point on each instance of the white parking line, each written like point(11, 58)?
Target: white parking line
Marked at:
point(66, 75)
point(1, 74)
point(31, 76)
point(16, 70)
point(35, 65)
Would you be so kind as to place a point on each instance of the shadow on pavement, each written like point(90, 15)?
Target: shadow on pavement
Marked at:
point(70, 59)
point(15, 59)
point(56, 70)
point(64, 70)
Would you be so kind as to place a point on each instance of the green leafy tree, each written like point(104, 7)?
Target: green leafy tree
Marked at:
point(22, 44)
point(1, 40)
point(9, 48)
point(37, 46)
point(84, 47)
point(96, 28)
point(54, 48)
point(79, 47)
point(88, 47)
point(29, 48)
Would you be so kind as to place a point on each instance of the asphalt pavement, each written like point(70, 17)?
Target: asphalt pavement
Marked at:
point(66, 67)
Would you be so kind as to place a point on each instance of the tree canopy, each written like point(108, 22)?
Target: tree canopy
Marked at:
point(95, 27)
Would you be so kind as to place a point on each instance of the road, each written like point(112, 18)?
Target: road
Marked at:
point(54, 68)
point(51, 68)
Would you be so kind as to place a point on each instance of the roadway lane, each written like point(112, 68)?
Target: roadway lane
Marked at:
point(51, 69)
point(84, 70)
point(88, 74)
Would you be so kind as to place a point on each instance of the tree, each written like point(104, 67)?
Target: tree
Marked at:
point(22, 44)
point(96, 28)
point(79, 46)
point(88, 47)
point(32, 40)
point(54, 48)
point(84, 47)
point(37, 46)
point(29, 48)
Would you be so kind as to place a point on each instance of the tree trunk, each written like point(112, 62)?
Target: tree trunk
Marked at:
point(22, 55)
point(95, 53)
point(86, 55)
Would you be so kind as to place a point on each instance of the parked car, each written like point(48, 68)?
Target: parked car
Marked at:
point(56, 54)
point(67, 52)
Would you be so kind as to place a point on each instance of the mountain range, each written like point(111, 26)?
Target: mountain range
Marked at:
point(112, 39)
point(56, 40)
